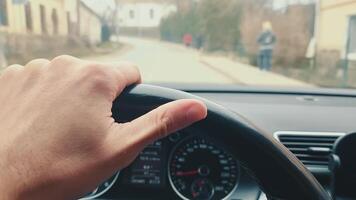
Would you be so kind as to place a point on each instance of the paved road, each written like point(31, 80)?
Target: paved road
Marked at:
point(166, 62)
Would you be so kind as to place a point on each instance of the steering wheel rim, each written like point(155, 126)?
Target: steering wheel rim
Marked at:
point(279, 173)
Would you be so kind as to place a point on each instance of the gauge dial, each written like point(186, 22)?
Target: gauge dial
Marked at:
point(202, 188)
point(102, 188)
point(202, 170)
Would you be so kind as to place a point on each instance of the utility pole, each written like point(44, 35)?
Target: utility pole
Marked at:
point(115, 20)
point(78, 17)
point(3, 62)
point(316, 32)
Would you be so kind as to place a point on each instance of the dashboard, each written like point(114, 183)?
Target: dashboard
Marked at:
point(190, 165)
point(185, 165)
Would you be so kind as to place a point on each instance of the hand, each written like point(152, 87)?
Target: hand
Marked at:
point(57, 137)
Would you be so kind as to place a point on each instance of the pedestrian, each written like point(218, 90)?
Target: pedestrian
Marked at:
point(266, 41)
point(199, 41)
point(187, 39)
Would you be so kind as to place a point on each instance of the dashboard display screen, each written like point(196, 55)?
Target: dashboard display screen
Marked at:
point(148, 166)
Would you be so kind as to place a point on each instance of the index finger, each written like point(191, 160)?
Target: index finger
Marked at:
point(125, 74)
point(130, 74)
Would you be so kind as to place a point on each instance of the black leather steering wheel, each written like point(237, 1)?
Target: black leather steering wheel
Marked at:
point(279, 173)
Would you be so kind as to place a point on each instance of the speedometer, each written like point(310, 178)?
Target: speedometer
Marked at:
point(102, 188)
point(202, 170)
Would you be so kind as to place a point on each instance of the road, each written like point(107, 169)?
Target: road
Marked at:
point(164, 62)
point(161, 62)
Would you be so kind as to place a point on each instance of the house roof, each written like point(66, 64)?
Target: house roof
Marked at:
point(87, 7)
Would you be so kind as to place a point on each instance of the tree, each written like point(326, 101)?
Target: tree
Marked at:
point(214, 22)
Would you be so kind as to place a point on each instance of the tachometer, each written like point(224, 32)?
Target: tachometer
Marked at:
point(202, 170)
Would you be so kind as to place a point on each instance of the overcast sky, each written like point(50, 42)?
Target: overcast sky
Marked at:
point(101, 5)
point(284, 3)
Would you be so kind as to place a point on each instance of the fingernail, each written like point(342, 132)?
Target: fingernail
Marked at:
point(195, 113)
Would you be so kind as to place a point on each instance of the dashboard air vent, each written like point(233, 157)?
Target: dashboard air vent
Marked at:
point(312, 148)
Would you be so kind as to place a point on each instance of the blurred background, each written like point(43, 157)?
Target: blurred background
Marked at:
point(315, 39)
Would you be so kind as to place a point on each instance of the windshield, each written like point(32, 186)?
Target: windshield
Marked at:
point(278, 43)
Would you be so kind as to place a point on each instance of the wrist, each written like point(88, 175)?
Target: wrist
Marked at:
point(11, 181)
point(7, 188)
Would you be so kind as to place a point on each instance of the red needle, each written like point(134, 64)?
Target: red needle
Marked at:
point(187, 173)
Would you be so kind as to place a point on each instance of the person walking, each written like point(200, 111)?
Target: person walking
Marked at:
point(266, 41)
point(187, 39)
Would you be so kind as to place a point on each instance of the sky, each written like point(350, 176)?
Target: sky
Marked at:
point(283, 3)
point(100, 5)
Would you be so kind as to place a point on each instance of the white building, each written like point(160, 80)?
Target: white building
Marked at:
point(143, 13)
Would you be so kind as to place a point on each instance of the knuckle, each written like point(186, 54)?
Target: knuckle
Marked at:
point(95, 67)
point(10, 72)
point(36, 62)
point(120, 77)
point(99, 81)
point(132, 66)
point(137, 71)
point(97, 75)
point(62, 59)
point(12, 69)
point(129, 64)
point(163, 122)
point(135, 67)
point(95, 71)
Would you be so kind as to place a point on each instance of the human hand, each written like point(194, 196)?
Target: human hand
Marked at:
point(57, 137)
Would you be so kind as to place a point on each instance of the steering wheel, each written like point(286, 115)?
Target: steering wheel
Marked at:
point(279, 173)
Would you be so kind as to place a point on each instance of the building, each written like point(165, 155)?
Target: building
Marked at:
point(39, 17)
point(89, 24)
point(50, 18)
point(142, 16)
point(45, 28)
point(336, 30)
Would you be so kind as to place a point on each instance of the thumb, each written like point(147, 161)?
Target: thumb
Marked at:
point(164, 120)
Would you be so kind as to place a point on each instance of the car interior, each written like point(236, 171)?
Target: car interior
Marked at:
point(255, 144)
point(277, 76)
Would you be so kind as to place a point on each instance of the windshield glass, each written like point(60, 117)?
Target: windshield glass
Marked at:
point(279, 43)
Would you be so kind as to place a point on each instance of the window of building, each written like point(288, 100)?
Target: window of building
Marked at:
point(54, 17)
point(152, 13)
point(28, 15)
point(43, 19)
point(132, 14)
point(3, 13)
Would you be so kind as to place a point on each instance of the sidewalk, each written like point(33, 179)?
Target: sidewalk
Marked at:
point(249, 75)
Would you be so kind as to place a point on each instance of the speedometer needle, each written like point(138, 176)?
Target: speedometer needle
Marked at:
point(187, 173)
